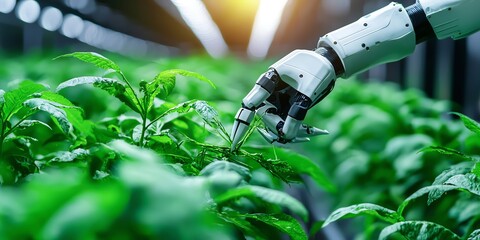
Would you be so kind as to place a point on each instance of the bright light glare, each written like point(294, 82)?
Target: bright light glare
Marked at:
point(72, 26)
point(7, 6)
point(267, 20)
point(197, 17)
point(51, 19)
point(28, 11)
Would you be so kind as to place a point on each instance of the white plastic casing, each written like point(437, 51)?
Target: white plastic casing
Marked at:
point(385, 35)
point(452, 18)
point(306, 71)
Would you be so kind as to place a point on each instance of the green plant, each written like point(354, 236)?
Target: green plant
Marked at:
point(463, 177)
point(180, 147)
point(17, 107)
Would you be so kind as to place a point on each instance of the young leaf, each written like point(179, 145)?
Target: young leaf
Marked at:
point(469, 123)
point(180, 108)
point(163, 84)
point(38, 104)
point(475, 235)
point(438, 191)
point(114, 87)
point(95, 59)
point(282, 222)
point(448, 152)
point(207, 112)
point(368, 209)
point(210, 116)
point(469, 182)
point(30, 123)
point(418, 230)
point(13, 100)
point(268, 195)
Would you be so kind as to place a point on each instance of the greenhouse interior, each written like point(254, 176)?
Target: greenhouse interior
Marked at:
point(239, 119)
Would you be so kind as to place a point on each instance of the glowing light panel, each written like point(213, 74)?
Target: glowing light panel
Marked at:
point(197, 17)
point(267, 20)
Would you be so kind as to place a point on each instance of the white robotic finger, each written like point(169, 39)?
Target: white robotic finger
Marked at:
point(242, 122)
point(271, 137)
point(309, 131)
point(290, 129)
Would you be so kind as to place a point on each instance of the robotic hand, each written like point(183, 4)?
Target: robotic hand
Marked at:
point(283, 95)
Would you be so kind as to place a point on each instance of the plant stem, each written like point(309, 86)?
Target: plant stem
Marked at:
point(17, 124)
point(144, 128)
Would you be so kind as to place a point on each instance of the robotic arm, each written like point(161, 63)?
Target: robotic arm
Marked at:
point(283, 95)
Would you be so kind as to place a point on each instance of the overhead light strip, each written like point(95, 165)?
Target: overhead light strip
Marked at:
point(265, 26)
point(73, 26)
point(197, 17)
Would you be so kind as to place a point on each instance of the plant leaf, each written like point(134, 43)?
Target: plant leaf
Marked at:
point(475, 235)
point(220, 166)
point(438, 189)
point(419, 230)
point(14, 99)
point(95, 59)
point(367, 209)
point(74, 114)
point(65, 156)
point(469, 182)
point(239, 221)
point(448, 152)
point(282, 222)
point(304, 165)
point(114, 87)
point(53, 108)
point(469, 123)
point(268, 195)
point(30, 123)
point(461, 168)
point(163, 84)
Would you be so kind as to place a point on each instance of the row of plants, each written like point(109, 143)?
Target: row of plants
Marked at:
point(463, 177)
point(149, 172)
point(166, 156)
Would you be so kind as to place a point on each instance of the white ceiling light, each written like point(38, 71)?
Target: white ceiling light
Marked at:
point(267, 20)
point(72, 26)
point(51, 19)
point(7, 6)
point(197, 17)
point(28, 11)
